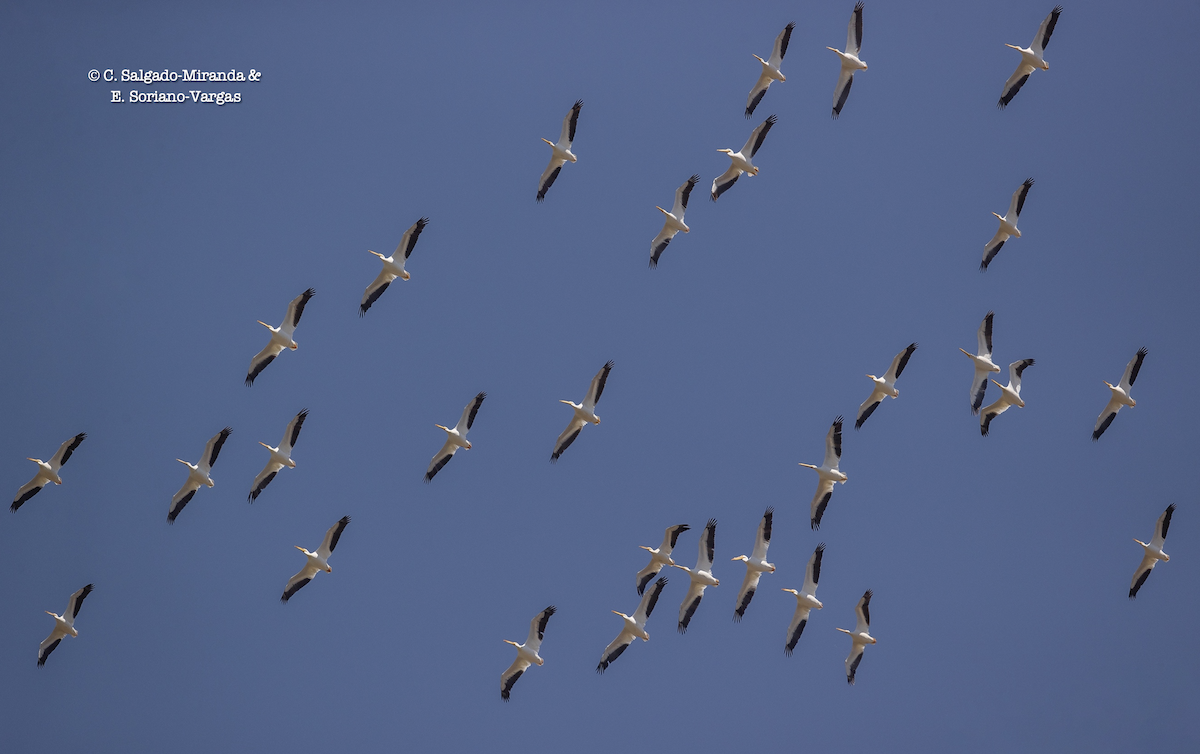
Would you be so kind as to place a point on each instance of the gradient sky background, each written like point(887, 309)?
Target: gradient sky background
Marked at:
point(140, 243)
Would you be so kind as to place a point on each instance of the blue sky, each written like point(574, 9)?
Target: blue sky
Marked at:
point(142, 241)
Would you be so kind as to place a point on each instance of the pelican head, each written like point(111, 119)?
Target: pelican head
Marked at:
point(726, 151)
point(742, 558)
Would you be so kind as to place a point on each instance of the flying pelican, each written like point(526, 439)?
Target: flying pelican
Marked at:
point(983, 363)
point(1010, 395)
point(527, 653)
point(1031, 58)
point(860, 637)
point(806, 599)
point(281, 337)
point(64, 625)
point(197, 474)
point(1120, 394)
point(884, 386)
point(770, 69)
point(561, 151)
point(316, 561)
point(280, 457)
point(585, 412)
point(1154, 551)
point(850, 60)
point(674, 222)
point(635, 626)
point(740, 161)
point(1008, 225)
point(393, 266)
point(455, 438)
point(47, 472)
point(661, 557)
point(828, 472)
point(756, 563)
point(701, 576)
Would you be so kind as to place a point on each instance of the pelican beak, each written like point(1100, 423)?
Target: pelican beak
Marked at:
point(264, 324)
point(1012, 46)
point(618, 613)
point(50, 613)
point(376, 253)
point(964, 351)
point(660, 209)
point(185, 463)
point(831, 48)
point(439, 426)
point(871, 376)
point(260, 442)
point(807, 465)
point(548, 142)
point(643, 547)
point(997, 384)
point(1106, 382)
point(37, 461)
point(1140, 542)
point(298, 547)
point(998, 217)
point(509, 641)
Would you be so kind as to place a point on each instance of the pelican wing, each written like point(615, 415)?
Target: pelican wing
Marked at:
point(1131, 371)
point(292, 433)
point(757, 137)
point(566, 438)
point(762, 540)
point(375, 290)
point(467, 420)
point(862, 612)
point(614, 650)
point(1161, 526)
point(660, 242)
point(854, 31)
point(295, 312)
point(1018, 201)
point(985, 335)
point(331, 538)
point(682, 194)
point(671, 536)
point(1141, 574)
point(746, 593)
point(1046, 29)
point(28, 490)
point(65, 450)
point(725, 181)
point(649, 599)
point(568, 126)
point(812, 572)
point(509, 677)
point(440, 459)
point(537, 629)
point(49, 644)
point(690, 602)
point(1106, 417)
point(1014, 373)
point(757, 92)
point(548, 176)
point(708, 543)
point(76, 602)
point(852, 661)
point(181, 499)
point(841, 92)
point(263, 479)
point(867, 407)
point(1014, 83)
point(796, 628)
point(897, 368)
point(261, 360)
point(647, 574)
point(297, 582)
point(409, 240)
point(991, 412)
point(781, 45)
point(992, 248)
point(833, 444)
point(820, 501)
point(979, 385)
point(596, 389)
point(212, 449)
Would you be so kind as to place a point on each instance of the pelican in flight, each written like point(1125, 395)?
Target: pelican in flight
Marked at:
point(849, 59)
point(860, 637)
point(806, 599)
point(1153, 551)
point(661, 557)
point(64, 625)
point(739, 162)
point(281, 337)
point(562, 153)
point(585, 413)
point(47, 472)
point(198, 474)
point(1120, 394)
point(701, 576)
point(280, 457)
point(635, 625)
point(827, 472)
point(315, 561)
point(756, 563)
point(983, 363)
point(1010, 395)
point(674, 222)
point(527, 653)
point(885, 386)
point(1031, 58)
point(455, 438)
point(770, 69)
point(1008, 225)
point(393, 266)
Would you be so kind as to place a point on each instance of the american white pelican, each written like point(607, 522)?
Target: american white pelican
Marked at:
point(585, 413)
point(849, 59)
point(393, 266)
point(756, 563)
point(1031, 58)
point(64, 625)
point(198, 474)
point(281, 337)
point(1153, 551)
point(983, 363)
point(1010, 395)
point(701, 575)
point(860, 637)
point(315, 561)
point(674, 222)
point(47, 472)
point(770, 69)
point(806, 599)
point(280, 457)
point(828, 473)
point(455, 438)
point(739, 162)
point(885, 386)
point(561, 152)
point(527, 653)
point(1008, 225)
point(635, 625)
point(1120, 394)
point(661, 557)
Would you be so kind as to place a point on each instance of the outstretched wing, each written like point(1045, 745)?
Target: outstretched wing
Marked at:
point(375, 290)
point(181, 499)
point(833, 444)
point(297, 582)
point(867, 407)
point(1106, 418)
point(614, 650)
point(28, 490)
point(65, 450)
point(261, 360)
point(1131, 370)
point(440, 459)
point(212, 449)
point(781, 45)
point(596, 389)
point(725, 181)
point(758, 136)
point(566, 438)
point(292, 433)
point(509, 677)
point(820, 501)
point(897, 368)
point(263, 479)
point(1014, 83)
point(409, 239)
point(984, 336)
point(1042, 38)
point(992, 248)
point(862, 612)
point(746, 593)
point(76, 602)
point(682, 194)
point(762, 539)
point(757, 92)
point(548, 176)
point(841, 91)
point(796, 628)
point(708, 544)
point(854, 31)
point(690, 602)
point(569, 123)
point(812, 572)
point(467, 420)
point(332, 536)
point(537, 629)
point(979, 383)
point(1017, 203)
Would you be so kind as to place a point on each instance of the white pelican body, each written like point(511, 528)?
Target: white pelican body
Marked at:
point(740, 162)
point(674, 220)
point(1008, 225)
point(828, 473)
point(885, 386)
point(770, 69)
point(527, 653)
point(860, 637)
point(1010, 395)
point(701, 576)
point(660, 558)
point(1153, 551)
point(983, 363)
point(756, 564)
point(393, 266)
point(585, 413)
point(561, 152)
point(315, 561)
point(198, 474)
point(849, 59)
point(281, 337)
point(1031, 58)
point(280, 457)
point(635, 625)
point(64, 625)
point(806, 599)
point(47, 473)
point(455, 438)
point(1120, 394)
